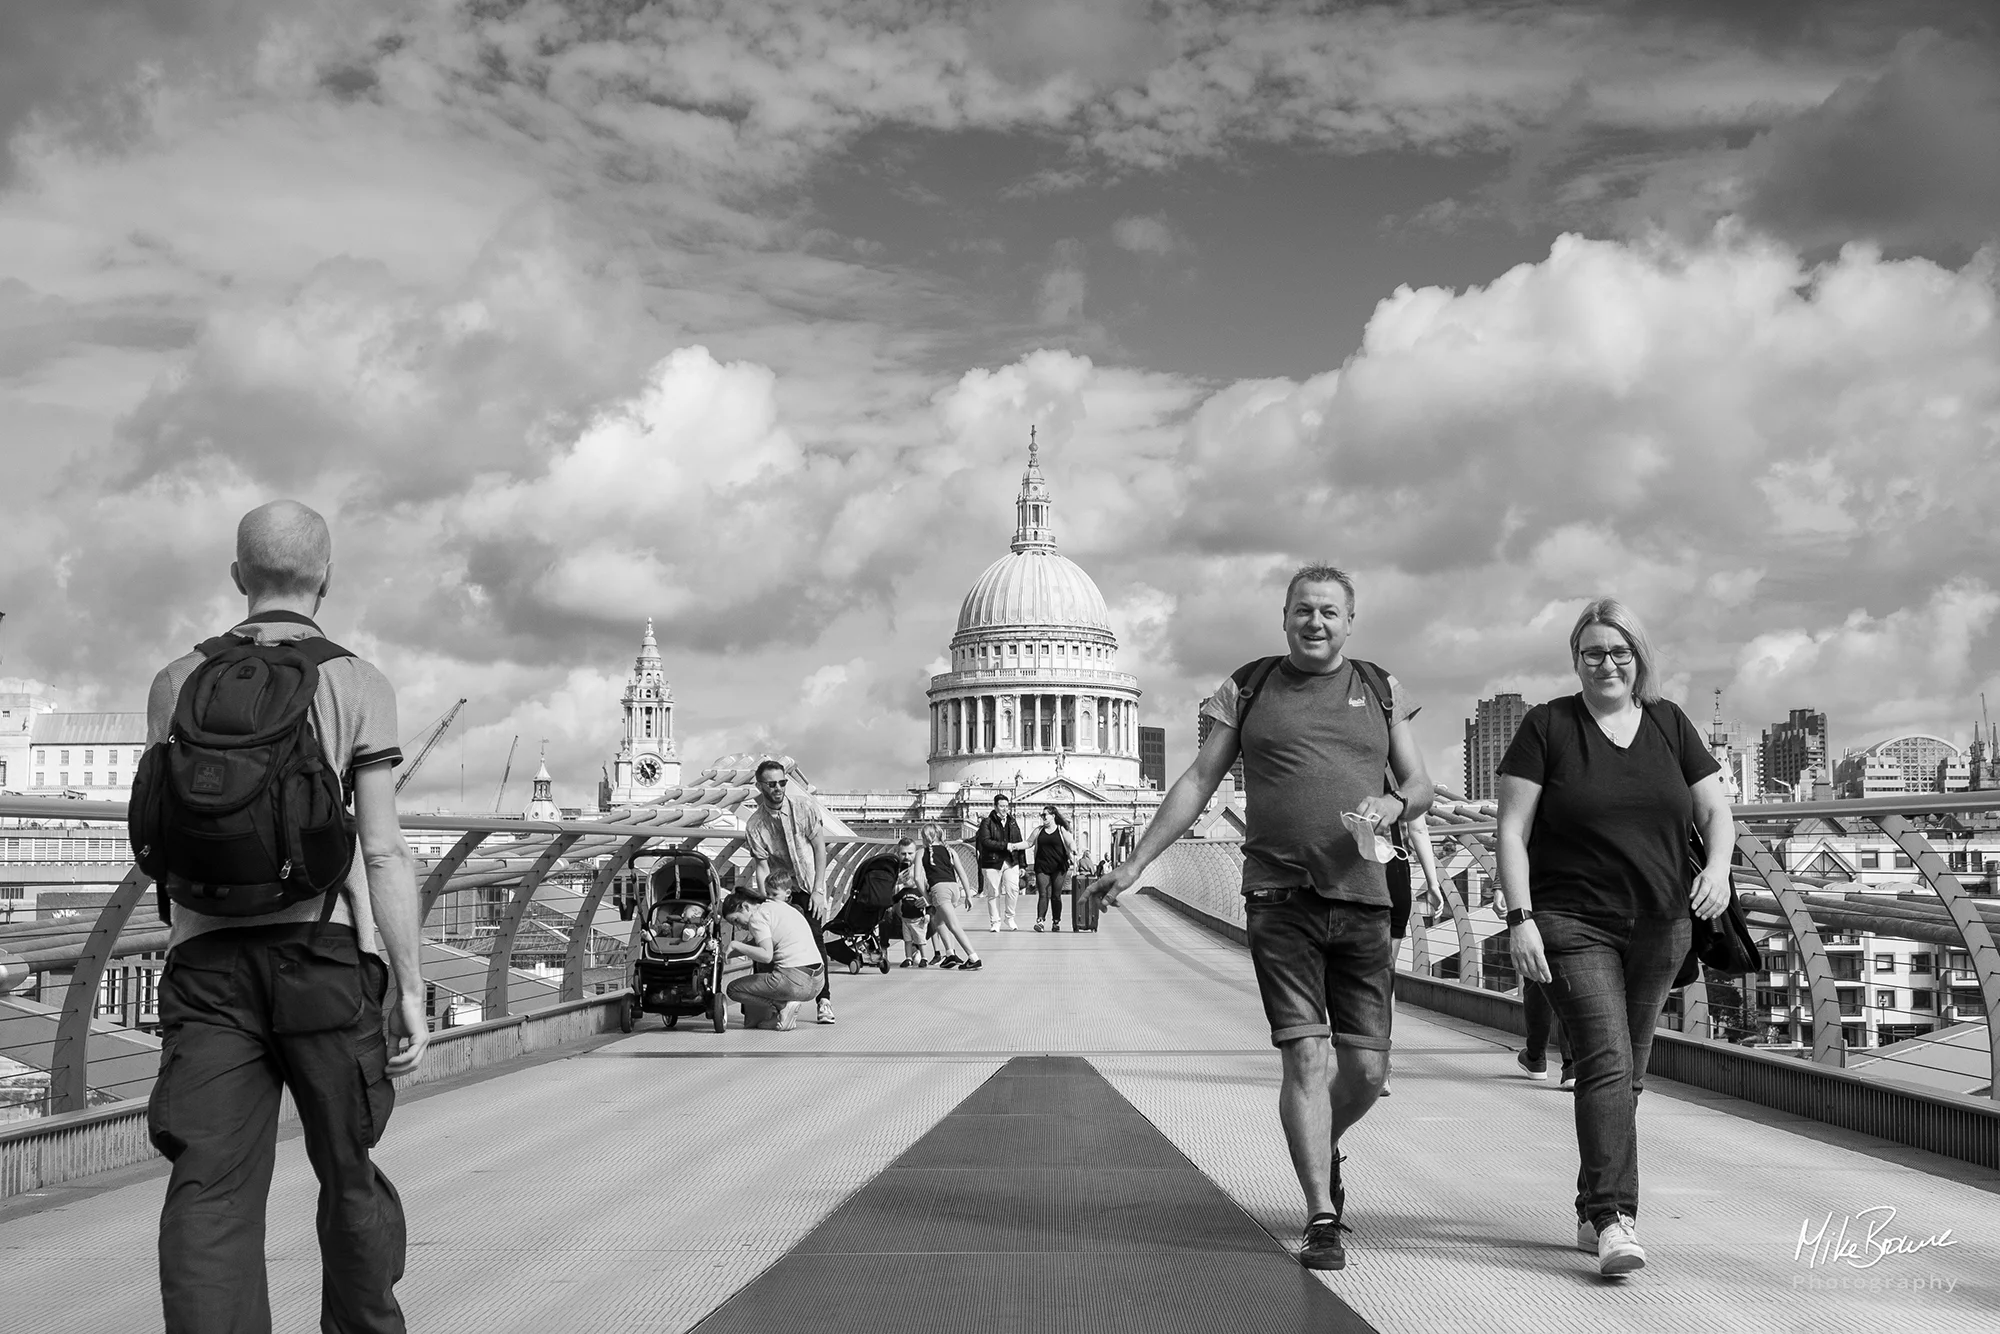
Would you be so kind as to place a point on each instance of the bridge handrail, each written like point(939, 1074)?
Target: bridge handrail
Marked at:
point(535, 848)
point(1463, 832)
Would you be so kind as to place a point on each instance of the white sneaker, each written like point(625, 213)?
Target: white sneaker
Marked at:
point(994, 927)
point(1013, 925)
point(1618, 1249)
point(1586, 1236)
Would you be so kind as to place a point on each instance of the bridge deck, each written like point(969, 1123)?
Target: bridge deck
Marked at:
point(616, 1188)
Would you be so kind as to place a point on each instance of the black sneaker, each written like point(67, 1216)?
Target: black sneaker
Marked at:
point(972, 965)
point(950, 961)
point(1323, 1248)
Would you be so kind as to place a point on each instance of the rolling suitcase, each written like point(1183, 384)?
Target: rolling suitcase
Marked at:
point(1082, 906)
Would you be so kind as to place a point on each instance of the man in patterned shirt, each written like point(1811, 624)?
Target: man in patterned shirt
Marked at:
point(788, 860)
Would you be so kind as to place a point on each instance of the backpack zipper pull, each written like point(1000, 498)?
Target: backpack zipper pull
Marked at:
point(285, 871)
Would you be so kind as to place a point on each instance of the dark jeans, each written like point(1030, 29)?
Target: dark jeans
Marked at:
point(1050, 888)
point(245, 1013)
point(803, 902)
point(1610, 980)
point(1540, 1015)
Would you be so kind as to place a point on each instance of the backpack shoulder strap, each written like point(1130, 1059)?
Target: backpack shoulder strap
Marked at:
point(319, 651)
point(1377, 682)
point(1250, 679)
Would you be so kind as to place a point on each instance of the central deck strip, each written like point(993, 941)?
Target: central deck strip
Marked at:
point(1043, 1202)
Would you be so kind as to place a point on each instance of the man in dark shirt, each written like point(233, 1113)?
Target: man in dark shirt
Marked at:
point(1317, 910)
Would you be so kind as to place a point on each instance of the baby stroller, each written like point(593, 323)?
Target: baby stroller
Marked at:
point(678, 967)
point(858, 935)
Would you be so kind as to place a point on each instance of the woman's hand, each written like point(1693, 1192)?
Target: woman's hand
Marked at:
point(1711, 892)
point(1529, 959)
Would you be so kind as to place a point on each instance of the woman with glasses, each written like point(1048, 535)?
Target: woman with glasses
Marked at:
point(1601, 793)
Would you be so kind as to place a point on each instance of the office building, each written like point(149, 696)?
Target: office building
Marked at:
point(1488, 733)
point(1153, 757)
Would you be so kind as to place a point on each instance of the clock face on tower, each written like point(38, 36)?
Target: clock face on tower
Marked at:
point(646, 769)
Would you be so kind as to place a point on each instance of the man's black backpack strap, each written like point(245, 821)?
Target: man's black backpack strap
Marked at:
point(1249, 679)
point(239, 812)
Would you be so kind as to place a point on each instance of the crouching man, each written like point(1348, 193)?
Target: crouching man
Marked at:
point(789, 968)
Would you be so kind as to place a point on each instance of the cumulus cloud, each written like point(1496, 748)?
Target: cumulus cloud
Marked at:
point(1146, 234)
point(530, 305)
point(1906, 670)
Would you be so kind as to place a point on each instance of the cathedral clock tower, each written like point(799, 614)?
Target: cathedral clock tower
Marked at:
point(647, 763)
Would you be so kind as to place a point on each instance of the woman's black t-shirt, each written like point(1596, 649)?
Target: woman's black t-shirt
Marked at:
point(1612, 828)
point(1051, 857)
point(939, 868)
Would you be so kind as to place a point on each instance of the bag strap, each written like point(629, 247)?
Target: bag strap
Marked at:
point(1379, 685)
point(1250, 679)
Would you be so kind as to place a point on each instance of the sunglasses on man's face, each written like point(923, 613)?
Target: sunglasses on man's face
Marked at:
point(774, 782)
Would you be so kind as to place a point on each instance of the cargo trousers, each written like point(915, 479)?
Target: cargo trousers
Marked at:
point(244, 1014)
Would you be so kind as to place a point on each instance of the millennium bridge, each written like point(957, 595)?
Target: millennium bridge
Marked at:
point(1080, 1137)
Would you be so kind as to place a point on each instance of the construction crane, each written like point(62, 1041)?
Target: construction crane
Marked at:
point(426, 741)
point(505, 773)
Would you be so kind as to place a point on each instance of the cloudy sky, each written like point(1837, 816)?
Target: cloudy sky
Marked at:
point(736, 315)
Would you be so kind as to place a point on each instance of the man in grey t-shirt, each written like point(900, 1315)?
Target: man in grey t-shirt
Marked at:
point(1315, 747)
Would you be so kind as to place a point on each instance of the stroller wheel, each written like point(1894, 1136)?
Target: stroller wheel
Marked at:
point(854, 965)
point(672, 1020)
point(628, 1014)
point(884, 964)
point(718, 1014)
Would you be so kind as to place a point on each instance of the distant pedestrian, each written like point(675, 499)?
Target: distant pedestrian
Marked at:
point(948, 900)
point(1054, 853)
point(1601, 793)
point(1002, 854)
point(1316, 731)
point(267, 985)
point(1413, 844)
point(912, 912)
point(788, 861)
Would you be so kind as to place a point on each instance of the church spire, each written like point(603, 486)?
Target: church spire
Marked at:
point(1034, 527)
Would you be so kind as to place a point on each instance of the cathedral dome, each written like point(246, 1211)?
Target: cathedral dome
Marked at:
point(1034, 587)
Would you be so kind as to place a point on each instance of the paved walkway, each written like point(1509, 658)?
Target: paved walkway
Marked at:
point(616, 1189)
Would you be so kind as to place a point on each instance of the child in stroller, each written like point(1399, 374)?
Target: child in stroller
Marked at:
point(677, 969)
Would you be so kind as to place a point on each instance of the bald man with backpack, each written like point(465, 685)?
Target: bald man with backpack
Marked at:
point(265, 811)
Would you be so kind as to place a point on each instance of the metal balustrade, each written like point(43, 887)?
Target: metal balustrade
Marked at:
point(1816, 917)
point(498, 863)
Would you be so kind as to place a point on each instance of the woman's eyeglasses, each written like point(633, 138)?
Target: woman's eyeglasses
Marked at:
point(1595, 657)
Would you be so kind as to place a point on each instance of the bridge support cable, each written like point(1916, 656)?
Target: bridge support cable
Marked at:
point(1829, 1045)
point(1971, 924)
point(69, 1061)
point(497, 966)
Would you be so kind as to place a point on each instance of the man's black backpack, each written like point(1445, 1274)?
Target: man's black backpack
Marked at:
point(238, 813)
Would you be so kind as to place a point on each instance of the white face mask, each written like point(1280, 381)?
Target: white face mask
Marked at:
point(1374, 844)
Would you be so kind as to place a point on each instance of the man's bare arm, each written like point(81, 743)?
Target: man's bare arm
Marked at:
point(392, 894)
point(1178, 811)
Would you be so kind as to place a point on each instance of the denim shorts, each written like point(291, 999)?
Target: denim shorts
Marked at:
point(1324, 966)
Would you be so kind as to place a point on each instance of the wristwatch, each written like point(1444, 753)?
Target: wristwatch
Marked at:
point(1516, 916)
